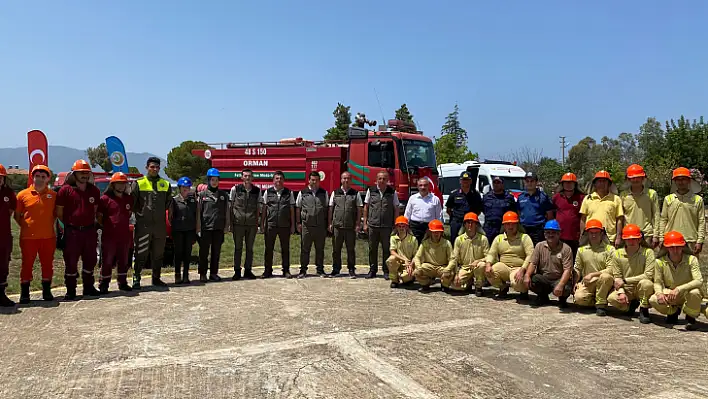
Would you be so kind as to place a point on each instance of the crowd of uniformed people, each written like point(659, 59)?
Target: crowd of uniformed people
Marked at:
point(606, 249)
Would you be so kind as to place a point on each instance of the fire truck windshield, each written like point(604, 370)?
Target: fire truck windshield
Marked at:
point(419, 153)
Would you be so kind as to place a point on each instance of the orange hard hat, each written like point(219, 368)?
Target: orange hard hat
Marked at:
point(510, 217)
point(471, 216)
point(569, 177)
point(402, 220)
point(81, 165)
point(603, 174)
point(3, 171)
point(119, 177)
point(635, 170)
point(674, 239)
point(42, 168)
point(631, 231)
point(593, 224)
point(681, 172)
point(436, 225)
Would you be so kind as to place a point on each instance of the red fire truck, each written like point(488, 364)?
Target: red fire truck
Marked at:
point(396, 147)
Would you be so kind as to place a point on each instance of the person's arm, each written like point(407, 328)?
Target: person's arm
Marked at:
point(579, 267)
point(396, 206)
point(393, 249)
point(229, 206)
point(529, 267)
point(360, 205)
point(664, 218)
point(493, 253)
point(477, 204)
point(366, 209)
point(439, 213)
point(59, 204)
point(170, 212)
point(292, 213)
point(583, 214)
point(409, 209)
point(199, 214)
point(649, 261)
point(513, 206)
point(454, 258)
point(12, 205)
point(329, 218)
point(659, 279)
point(418, 258)
point(448, 204)
point(528, 249)
point(298, 209)
point(655, 215)
point(701, 221)
point(549, 207)
point(697, 281)
point(567, 261)
point(264, 210)
point(20, 210)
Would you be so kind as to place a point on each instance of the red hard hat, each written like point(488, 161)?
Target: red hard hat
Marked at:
point(593, 224)
point(681, 172)
point(569, 177)
point(631, 231)
point(510, 217)
point(3, 172)
point(119, 177)
point(436, 225)
point(402, 220)
point(471, 216)
point(43, 168)
point(674, 239)
point(603, 174)
point(81, 165)
point(635, 170)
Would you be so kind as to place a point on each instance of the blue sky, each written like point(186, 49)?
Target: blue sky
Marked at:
point(156, 73)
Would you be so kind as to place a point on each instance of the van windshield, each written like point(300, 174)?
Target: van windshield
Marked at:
point(512, 183)
point(419, 153)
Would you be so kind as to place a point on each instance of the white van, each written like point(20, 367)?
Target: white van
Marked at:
point(482, 174)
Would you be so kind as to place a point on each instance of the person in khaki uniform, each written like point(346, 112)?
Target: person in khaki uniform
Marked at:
point(633, 269)
point(683, 211)
point(432, 256)
point(641, 205)
point(602, 204)
point(677, 282)
point(468, 258)
point(403, 246)
point(508, 257)
point(550, 269)
point(593, 268)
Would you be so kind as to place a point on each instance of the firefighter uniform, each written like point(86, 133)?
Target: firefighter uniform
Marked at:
point(467, 261)
point(80, 235)
point(8, 203)
point(638, 272)
point(593, 259)
point(431, 259)
point(643, 211)
point(686, 276)
point(508, 257)
point(152, 198)
point(184, 233)
point(244, 225)
point(278, 205)
point(345, 212)
point(495, 206)
point(116, 238)
point(382, 204)
point(685, 214)
point(312, 205)
point(212, 206)
point(406, 247)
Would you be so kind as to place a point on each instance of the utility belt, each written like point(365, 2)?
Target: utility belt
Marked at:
point(80, 228)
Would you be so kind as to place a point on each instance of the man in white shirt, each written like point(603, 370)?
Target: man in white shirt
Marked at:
point(422, 208)
point(278, 220)
point(344, 215)
point(380, 210)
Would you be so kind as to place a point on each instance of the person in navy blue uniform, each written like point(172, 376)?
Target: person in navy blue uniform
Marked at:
point(535, 207)
point(461, 201)
point(496, 203)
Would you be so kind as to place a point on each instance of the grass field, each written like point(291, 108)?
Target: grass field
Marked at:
point(226, 261)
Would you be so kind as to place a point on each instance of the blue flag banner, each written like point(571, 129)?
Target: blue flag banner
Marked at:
point(116, 153)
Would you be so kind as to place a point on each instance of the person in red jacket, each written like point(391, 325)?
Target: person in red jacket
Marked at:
point(77, 204)
point(567, 202)
point(8, 202)
point(114, 210)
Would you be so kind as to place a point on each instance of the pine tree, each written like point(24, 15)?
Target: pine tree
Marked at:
point(403, 114)
point(342, 120)
point(451, 146)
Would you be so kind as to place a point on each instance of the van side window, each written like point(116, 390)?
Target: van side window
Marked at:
point(381, 154)
point(483, 181)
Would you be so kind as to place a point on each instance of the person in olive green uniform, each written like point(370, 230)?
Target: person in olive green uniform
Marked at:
point(433, 255)
point(593, 269)
point(152, 199)
point(212, 210)
point(633, 269)
point(641, 205)
point(244, 215)
point(278, 221)
point(404, 246)
point(468, 258)
point(345, 206)
point(508, 258)
point(677, 282)
point(684, 211)
point(183, 219)
point(381, 208)
point(312, 209)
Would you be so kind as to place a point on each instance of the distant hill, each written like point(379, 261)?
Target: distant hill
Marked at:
point(61, 158)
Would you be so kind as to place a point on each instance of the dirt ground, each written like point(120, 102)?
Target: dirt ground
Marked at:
point(337, 338)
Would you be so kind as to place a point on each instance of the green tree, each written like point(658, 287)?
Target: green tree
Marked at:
point(549, 172)
point(403, 114)
point(342, 120)
point(451, 146)
point(181, 162)
point(133, 169)
point(687, 142)
point(98, 156)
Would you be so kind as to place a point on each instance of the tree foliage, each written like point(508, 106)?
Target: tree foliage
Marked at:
point(404, 114)
point(342, 120)
point(133, 169)
point(181, 162)
point(451, 146)
point(98, 157)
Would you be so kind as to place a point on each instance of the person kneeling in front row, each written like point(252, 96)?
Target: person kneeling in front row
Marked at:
point(677, 282)
point(468, 258)
point(593, 269)
point(551, 267)
point(432, 256)
point(508, 258)
point(404, 246)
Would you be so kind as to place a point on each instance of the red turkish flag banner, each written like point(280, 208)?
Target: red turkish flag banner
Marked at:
point(36, 151)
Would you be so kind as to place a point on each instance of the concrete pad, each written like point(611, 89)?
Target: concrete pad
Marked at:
point(337, 338)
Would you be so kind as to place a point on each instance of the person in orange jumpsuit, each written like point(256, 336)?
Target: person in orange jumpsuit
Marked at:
point(8, 203)
point(36, 215)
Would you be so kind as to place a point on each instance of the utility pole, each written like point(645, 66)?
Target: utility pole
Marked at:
point(563, 147)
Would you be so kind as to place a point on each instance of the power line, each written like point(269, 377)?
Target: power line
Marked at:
point(563, 147)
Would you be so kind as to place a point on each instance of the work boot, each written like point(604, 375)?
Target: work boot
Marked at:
point(5, 302)
point(563, 302)
point(203, 278)
point(214, 278)
point(90, 290)
point(158, 283)
point(633, 305)
point(444, 289)
point(178, 276)
point(644, 316)
point(424, 289)
point(124, 287)
point(692, 324)
point(386, 276)
point(24, 293)
point(478, 292)
point(371, 274)
point(103, 287)
point(286, 274)
point(321, 274)
point(602, 312)
point(248, 275)
point(47, 291)
point(673, 318)
point(301, 275)
point(334, 273)
point(136, 282)
point(524, 296)
point(268, 273)
point(185, 277)
point(70, 293)
point(541, 300)
point(394, 285)
point(352, 274)
point(237, 275)
point(503, 292)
